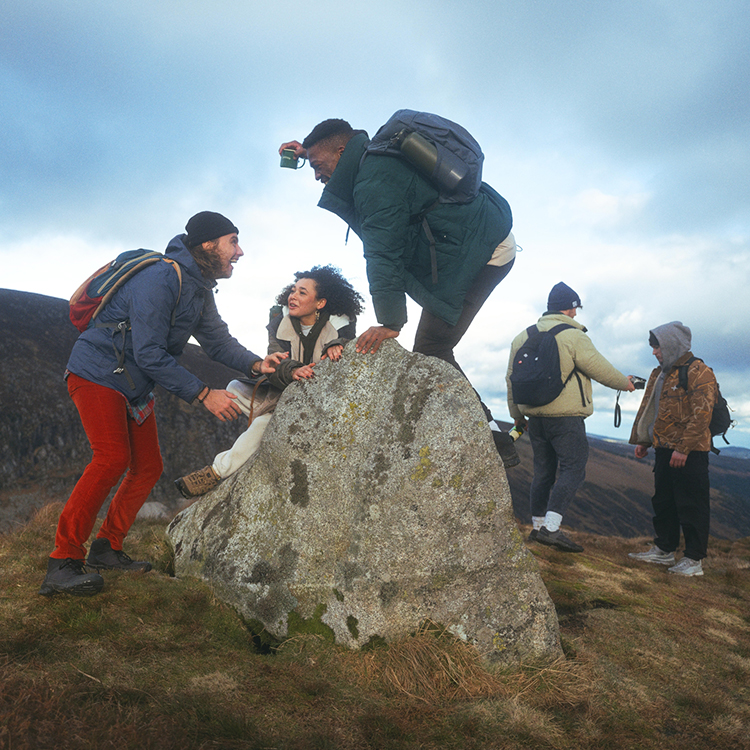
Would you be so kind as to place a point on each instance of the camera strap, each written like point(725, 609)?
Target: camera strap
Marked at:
point(618, 412)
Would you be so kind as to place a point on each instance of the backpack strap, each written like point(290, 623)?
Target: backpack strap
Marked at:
point(431, 240)
point(682, 382)
point(124, 326)
point(178, 270)
point(682, 373)
point(554, 331)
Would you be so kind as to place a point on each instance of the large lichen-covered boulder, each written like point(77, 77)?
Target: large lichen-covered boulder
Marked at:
point(376, 502)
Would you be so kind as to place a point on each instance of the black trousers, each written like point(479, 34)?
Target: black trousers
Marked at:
point(437, 338)
point(681, 499)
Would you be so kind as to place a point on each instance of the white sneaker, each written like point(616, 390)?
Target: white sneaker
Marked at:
point(687, 567)
point(654, 555)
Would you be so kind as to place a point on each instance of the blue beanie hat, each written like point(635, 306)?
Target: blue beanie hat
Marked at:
point(562, 297)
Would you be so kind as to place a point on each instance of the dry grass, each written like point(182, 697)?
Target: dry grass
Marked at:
point(652, 661)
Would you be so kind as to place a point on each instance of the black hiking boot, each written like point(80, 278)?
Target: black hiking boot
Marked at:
point(506, 448)
point(558, 540)
point(69, 576)
point(101, 555)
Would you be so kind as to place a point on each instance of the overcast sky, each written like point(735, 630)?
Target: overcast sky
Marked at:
point(618, 131)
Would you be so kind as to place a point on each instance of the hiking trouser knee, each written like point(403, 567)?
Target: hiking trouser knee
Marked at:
point(228, 462)
point(436, 338)
point(118, 445)
point(563, 450)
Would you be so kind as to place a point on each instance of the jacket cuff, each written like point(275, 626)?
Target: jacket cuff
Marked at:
point(250, 372)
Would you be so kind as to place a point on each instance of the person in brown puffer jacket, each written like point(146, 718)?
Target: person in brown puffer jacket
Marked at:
point(675, 421)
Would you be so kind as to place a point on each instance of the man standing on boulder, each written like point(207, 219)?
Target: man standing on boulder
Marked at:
point(556, 429)
point(380, 197)
point(674, 417)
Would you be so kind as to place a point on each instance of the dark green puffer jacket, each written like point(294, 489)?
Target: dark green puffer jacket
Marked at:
point(381, 200)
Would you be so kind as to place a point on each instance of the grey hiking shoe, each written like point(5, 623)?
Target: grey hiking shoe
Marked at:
point(532, 537)
point(558, 540)
point(687, 567)
point(198, 482)
point(101, 555)
point(506, 448)
point(69, 576)
point(654, 555)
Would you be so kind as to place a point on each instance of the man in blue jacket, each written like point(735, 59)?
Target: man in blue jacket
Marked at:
point(379, 197)
point(110, 375)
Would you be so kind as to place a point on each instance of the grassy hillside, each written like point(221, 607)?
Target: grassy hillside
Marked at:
point(653, 661)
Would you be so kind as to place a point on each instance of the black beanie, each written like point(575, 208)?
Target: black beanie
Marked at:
point(562, 297)
point(653, 342)
point(208, 225)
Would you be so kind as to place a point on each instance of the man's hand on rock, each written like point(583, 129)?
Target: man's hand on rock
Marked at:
point(373, 337)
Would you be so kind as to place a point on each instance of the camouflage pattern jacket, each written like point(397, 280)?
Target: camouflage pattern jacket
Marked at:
point(683, 416)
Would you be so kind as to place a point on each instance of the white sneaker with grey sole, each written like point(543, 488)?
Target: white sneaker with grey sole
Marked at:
point(687, 567)
point(654, 555)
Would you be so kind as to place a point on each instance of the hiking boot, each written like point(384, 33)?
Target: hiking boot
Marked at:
point(687, 567)
point(198, 483)
point(69, 576)
point(532, 537)
point(506, 448)
point(558, 540)
point(654, 555)
point(101, 555)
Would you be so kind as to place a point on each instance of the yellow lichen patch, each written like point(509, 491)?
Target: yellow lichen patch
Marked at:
point(456, 481)
point(488, 509)
point(498, 643)
point(423, 469)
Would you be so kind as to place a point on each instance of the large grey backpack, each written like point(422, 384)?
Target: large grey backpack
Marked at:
point(441, 150)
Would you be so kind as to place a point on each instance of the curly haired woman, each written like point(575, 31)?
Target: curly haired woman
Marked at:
point(315, 316)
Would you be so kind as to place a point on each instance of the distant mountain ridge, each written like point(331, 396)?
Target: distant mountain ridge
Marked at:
point(44, 448)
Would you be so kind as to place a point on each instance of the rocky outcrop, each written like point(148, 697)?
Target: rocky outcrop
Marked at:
point(376, 502)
